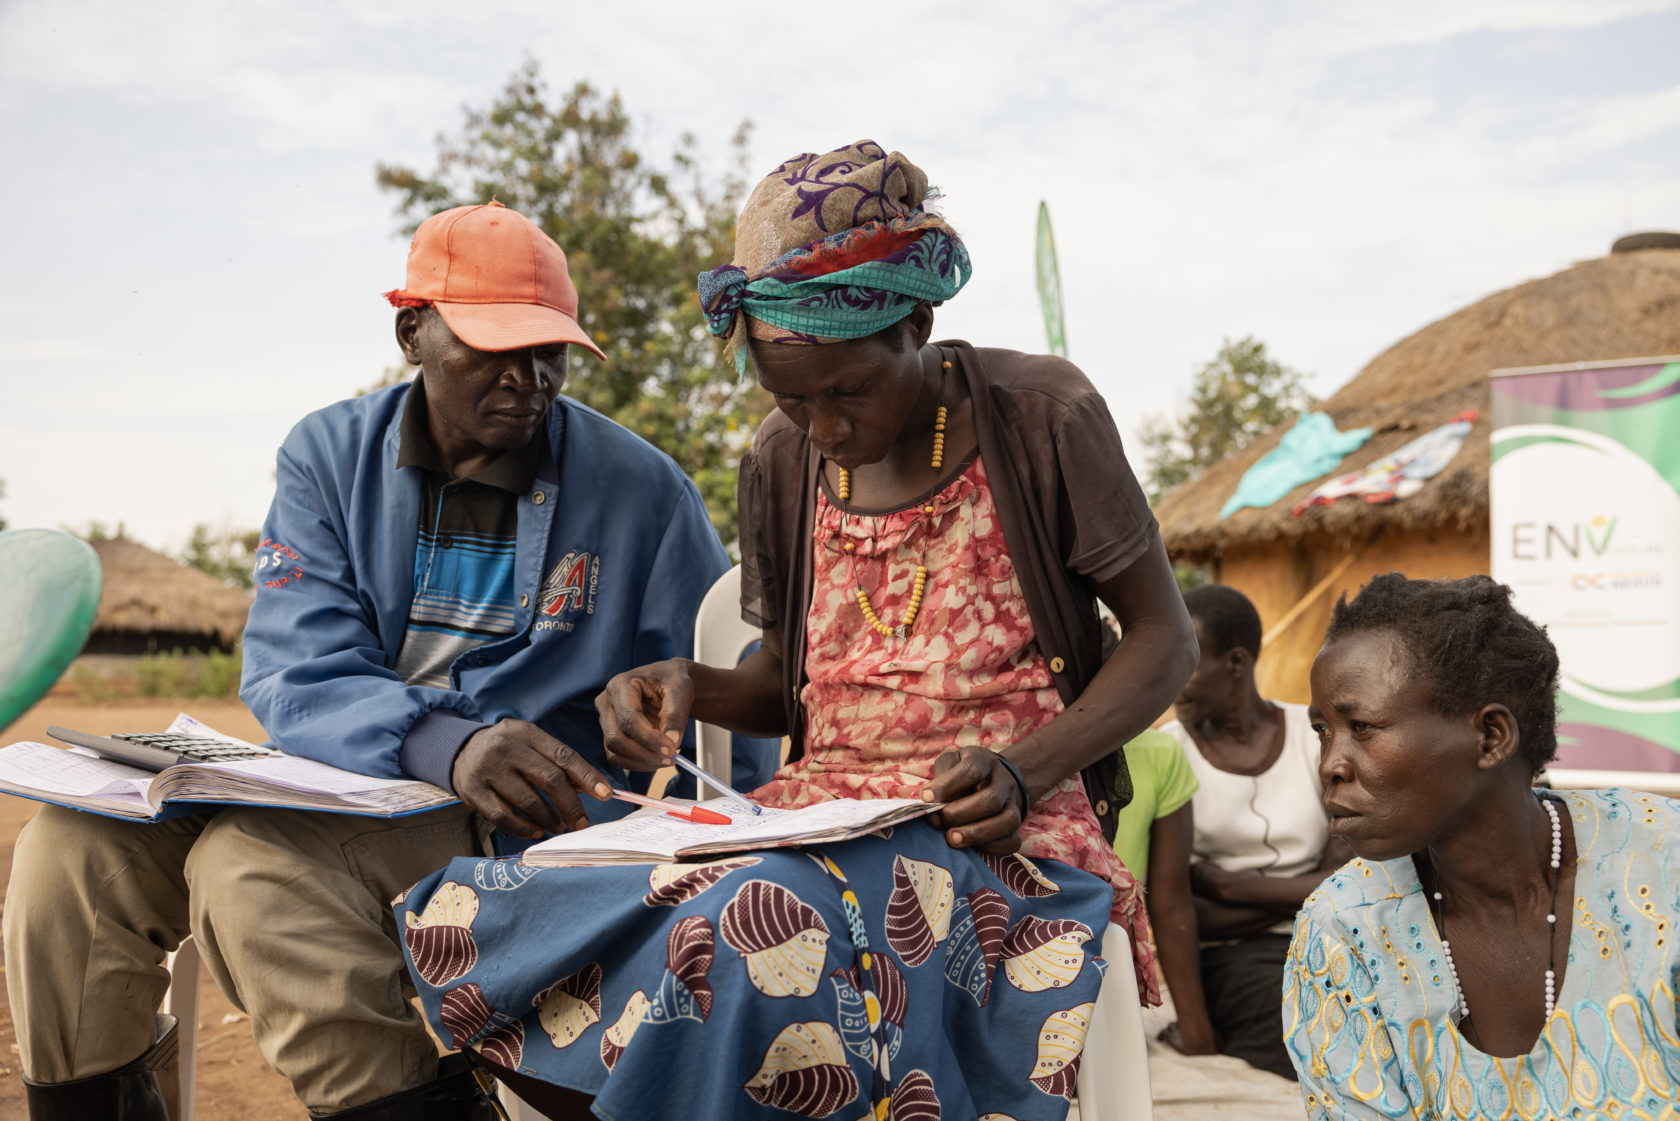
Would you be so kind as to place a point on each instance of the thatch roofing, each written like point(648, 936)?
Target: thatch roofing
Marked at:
point(1626, 305)
point(146, 592)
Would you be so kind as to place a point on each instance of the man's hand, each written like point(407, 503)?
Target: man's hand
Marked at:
point(984, 810)
point(524, 781)
point(643, 712)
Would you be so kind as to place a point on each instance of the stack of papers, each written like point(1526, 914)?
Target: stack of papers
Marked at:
point(81, 780)
point(653, 836)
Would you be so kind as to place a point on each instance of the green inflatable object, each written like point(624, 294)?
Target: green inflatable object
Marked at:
point(49, 594)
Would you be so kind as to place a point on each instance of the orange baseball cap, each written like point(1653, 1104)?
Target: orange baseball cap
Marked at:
point(497, 280)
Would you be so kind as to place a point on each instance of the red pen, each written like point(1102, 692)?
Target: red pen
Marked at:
point(697, 814)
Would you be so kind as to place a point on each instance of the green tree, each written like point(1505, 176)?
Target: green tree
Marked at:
point(228, 555)
point(1242, 393)
point(2, 495)
point(636, 233)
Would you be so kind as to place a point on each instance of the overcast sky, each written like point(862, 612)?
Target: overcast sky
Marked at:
point(194, 245)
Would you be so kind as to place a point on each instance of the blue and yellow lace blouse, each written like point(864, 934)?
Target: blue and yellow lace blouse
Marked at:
point(1369, 1011)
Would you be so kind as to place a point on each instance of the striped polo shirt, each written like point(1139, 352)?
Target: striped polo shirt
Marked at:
point(464, 553)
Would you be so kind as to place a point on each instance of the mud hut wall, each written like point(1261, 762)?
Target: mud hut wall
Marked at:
point(1278, 576)
point(1274, 577)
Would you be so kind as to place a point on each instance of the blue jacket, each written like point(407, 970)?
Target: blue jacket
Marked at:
point(614, 552)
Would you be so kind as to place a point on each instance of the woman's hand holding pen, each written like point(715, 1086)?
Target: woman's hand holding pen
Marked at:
point(643, 712)
point(985, 806)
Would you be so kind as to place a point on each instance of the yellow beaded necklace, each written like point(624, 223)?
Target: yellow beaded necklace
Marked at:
point(843, 488)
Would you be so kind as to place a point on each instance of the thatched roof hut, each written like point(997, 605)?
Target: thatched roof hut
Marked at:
point(1626, 305)
point(152, 603)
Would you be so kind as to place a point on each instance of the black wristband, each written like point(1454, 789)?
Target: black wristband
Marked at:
point(1020, 783)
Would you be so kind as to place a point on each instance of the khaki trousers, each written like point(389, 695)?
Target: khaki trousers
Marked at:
point(292, 915)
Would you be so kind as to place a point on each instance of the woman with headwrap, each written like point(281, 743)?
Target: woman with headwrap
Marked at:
point(925, 532)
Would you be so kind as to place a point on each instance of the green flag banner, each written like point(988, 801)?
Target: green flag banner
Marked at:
point(1050, 284)
point(1585, 496)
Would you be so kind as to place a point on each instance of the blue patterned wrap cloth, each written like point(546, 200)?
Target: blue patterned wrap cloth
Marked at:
point(887, 973)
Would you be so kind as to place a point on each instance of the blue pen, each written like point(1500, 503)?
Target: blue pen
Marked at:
point(716, 783)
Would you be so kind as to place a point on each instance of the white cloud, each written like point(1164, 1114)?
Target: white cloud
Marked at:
point(206, 243)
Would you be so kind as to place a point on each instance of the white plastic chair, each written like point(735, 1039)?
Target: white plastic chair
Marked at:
point(1113, 1081)
point(181, 1001)
point(516, 1107)
point(720, 637)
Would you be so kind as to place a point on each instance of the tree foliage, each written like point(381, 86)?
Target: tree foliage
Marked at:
point(228, 555)
point(636, 232)
point(2, 495)
point(1242, 393)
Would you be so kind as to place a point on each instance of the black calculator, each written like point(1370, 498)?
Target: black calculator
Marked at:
point(156, 750)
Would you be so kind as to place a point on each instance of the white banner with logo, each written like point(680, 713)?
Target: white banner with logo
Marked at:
point(1585, 494)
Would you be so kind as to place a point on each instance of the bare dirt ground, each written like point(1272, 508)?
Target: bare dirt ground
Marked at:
point(234, 1081)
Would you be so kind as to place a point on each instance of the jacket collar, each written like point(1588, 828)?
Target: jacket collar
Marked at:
point(512, 471)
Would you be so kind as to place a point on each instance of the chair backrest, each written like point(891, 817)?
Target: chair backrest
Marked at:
point(720, 637)
point(181, 1001)
point(1113, 1080)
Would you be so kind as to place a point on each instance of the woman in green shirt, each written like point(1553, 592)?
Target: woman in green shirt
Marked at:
point(1153, 841)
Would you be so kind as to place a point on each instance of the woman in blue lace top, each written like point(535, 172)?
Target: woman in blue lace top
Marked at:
point(1496, 950)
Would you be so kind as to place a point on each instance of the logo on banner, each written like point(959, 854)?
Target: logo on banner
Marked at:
point(568, 590)
point(1549, 540)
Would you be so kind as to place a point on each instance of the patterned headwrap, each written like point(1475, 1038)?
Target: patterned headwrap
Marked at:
point(833, 247)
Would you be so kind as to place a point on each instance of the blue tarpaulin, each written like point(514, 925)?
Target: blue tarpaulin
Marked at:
point(1311, 449)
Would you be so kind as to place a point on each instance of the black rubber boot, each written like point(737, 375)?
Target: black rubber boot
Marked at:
point(454, 1095)
point(145, 1090)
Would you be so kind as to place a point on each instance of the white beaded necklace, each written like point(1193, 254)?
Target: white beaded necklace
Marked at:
point(1551, 923)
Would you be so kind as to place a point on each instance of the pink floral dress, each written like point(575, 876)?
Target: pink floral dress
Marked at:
point(880, 710)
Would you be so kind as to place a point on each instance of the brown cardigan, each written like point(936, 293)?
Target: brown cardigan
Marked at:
point(1071, 510)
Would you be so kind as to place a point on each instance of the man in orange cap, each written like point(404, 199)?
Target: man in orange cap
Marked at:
point(449, 574)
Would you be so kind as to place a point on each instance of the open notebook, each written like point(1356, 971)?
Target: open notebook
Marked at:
point(79, 780)
point(652, 836)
